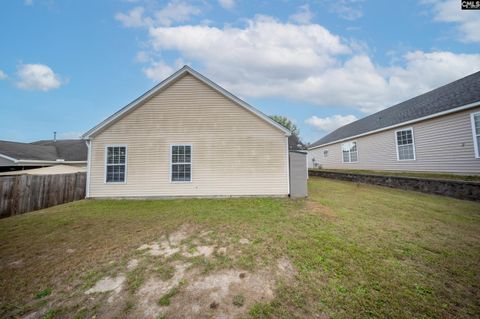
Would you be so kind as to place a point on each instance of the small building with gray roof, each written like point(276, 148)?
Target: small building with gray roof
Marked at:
point(19, 156)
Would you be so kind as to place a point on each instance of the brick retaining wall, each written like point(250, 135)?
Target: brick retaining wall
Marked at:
point(453, 188)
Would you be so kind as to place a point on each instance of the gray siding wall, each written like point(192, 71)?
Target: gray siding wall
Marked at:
point(443, 144)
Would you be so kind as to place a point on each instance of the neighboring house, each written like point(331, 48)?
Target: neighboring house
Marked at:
point(438, 131)
point(19, 156)
point(187, 137)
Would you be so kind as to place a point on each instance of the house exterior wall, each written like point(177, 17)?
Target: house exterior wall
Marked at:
point(234, 152)
point(442, 144)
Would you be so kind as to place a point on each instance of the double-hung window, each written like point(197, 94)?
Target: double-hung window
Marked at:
point(181, 170)
point(350, 152)
point(476, 133)
point(115, 164)
point(405, 144)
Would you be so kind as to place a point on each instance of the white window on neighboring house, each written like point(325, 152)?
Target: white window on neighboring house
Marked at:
point(405, 144)
point(115, 164)
point(181, 163)
point(476, 133)
point(325, 153)
point(349, 152)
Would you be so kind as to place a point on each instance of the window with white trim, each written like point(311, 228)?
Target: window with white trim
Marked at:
point(350, 152)
point(476, 133)
point(181, 170)
point(115, 164)
point(325, 153)
point(405, 145)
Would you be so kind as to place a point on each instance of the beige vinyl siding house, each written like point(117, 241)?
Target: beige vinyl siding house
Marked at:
point(438, 131)
point(188, 137)
point(443, 144)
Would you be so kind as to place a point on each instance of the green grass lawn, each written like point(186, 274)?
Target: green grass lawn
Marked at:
point(359, 251)
point(471, 178)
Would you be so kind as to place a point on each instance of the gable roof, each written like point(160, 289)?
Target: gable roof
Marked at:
point(449, 98)
point(47, 150)
point(164, 84)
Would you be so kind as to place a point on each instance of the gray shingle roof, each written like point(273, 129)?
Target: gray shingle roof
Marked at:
point(461, 92)
point(48, 150)
point(69, 150)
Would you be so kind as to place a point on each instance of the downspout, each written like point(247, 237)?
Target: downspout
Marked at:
point(89, 161)
point(288, 165)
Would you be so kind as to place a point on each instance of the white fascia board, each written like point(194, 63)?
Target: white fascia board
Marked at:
point(9, 158)
point(420, 119)
point(49, 162)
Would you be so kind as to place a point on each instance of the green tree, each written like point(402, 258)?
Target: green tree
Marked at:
point(294, 141)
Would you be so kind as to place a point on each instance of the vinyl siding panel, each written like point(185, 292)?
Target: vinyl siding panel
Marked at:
point(443, 144)
point(234, 152)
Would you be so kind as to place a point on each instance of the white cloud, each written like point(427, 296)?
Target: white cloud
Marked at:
point(3, 75)
point(37, 77)
point(467, 21)
point(175, 11)
point(158, 71)
point(307, 63)
point(227, 4)
point(347, 9)
point(330, 123)
point(303, 16)
point(134, 18)
point(142, 57)
point(28, 2)
point(264, 48)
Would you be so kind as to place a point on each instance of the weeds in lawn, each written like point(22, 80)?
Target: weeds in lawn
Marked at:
point(238, 300)
point(356, 250)
point(166, 272)
point(43, 293)
point(165, 299)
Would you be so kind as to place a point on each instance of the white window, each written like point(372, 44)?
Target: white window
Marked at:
point(115, 163)
point(405, 144)
point(476, 133)
point(325, 153)
point(181, 163)
point(349, 152)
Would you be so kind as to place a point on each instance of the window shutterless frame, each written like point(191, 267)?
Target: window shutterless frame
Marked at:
point(475, 135)
point(349, 152)
point(106, 162)
point(171, 163)
point(413, 144)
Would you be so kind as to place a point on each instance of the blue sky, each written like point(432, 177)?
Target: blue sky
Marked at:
point(66, 65)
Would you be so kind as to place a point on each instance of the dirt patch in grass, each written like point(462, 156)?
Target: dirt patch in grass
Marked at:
point(219, 289)
point(317, 208)
point(108, 284)
point(347, 251)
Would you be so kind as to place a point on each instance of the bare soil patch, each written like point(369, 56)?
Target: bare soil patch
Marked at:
point(317, 208)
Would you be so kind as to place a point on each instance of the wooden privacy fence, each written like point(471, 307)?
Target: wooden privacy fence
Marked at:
point(24, 193)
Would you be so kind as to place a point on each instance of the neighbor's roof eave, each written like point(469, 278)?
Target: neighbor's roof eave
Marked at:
point(420, 119)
